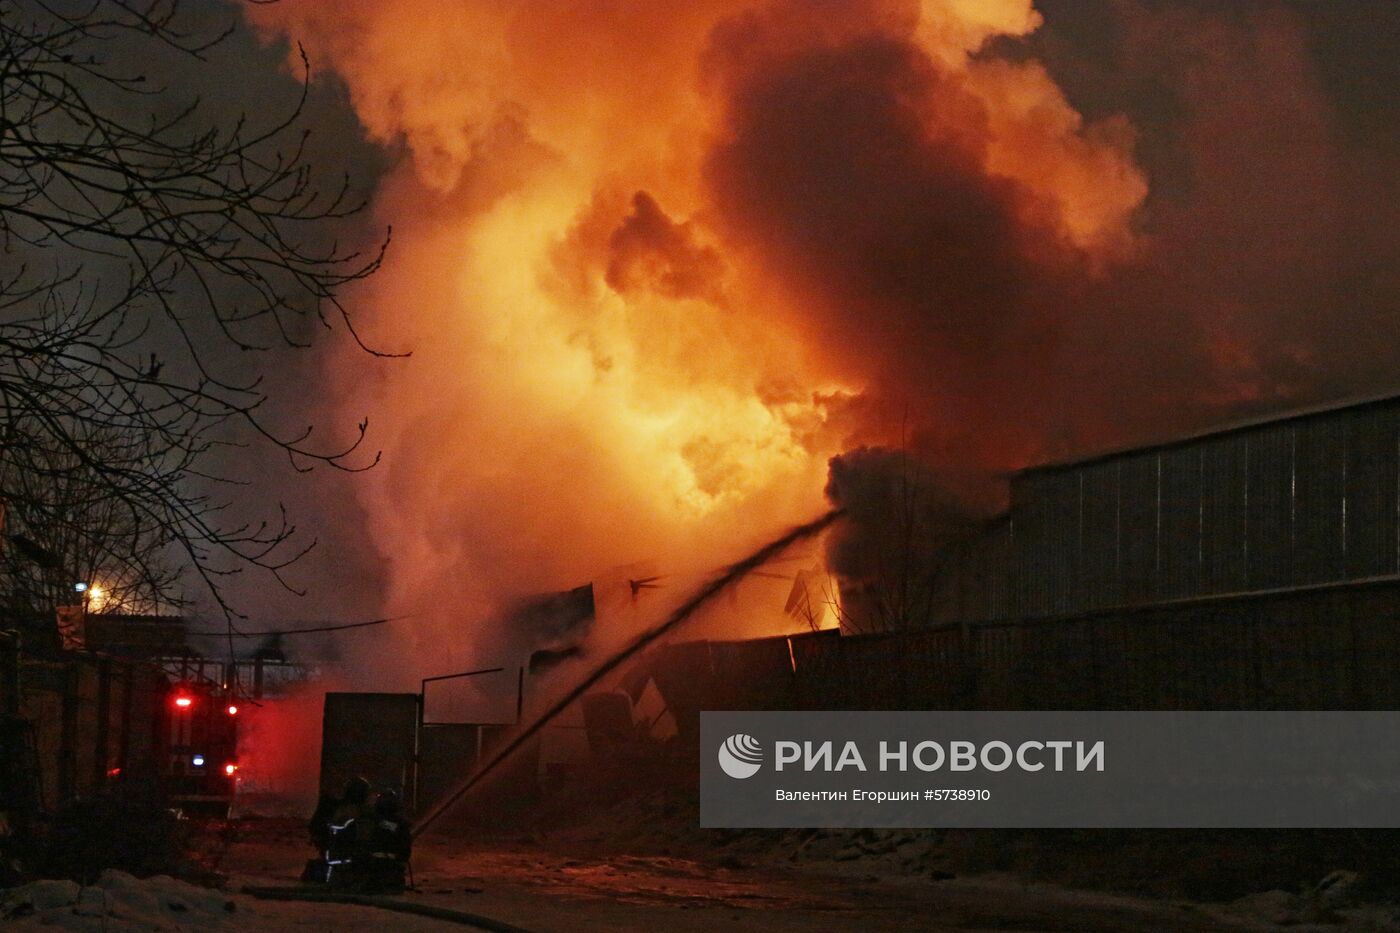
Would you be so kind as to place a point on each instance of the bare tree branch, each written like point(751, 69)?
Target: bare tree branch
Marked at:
point(142, 239)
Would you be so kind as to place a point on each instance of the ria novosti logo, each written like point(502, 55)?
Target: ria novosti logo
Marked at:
point(740, 756)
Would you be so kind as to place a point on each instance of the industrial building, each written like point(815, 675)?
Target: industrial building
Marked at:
point(1304, 501)
point(1250, 567)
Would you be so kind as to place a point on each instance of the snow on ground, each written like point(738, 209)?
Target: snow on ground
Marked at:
point(621, 880)
point(119, 902)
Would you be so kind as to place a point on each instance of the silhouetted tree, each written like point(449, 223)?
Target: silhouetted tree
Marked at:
point(67, 526)
point(143, 236)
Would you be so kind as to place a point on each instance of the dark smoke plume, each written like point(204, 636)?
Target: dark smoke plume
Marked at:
point(899, 515)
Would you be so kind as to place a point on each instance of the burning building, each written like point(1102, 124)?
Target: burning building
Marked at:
point(1256, 566)
point(824, 228)
point(648, 324)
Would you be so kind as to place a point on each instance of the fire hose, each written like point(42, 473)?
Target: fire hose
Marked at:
point(395, 904)
point(699, 598)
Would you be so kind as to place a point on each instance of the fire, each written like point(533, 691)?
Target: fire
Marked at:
point(615, 353)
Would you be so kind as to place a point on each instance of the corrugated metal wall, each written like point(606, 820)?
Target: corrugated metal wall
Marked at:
point(1336, 648)
point(1086, 590)
point(90, 715)
point(1303, 501)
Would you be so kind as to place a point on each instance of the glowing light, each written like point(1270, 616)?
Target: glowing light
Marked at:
point(80, 587)
point(183, 702)
point(197, 761)
point(232, 710)
point(230, 768)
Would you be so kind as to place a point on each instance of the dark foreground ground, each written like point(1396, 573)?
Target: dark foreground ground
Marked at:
point(566, 883)
point(609, 859)
point(562, 887)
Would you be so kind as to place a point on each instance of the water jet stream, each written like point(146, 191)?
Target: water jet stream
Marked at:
point(703, 595)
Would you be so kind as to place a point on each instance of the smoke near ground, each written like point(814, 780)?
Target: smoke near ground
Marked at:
point(898, 515)
point(657, 265)
point(279, 751)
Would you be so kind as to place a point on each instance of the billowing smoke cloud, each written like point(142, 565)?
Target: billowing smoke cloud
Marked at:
point(658, 263)
point(650, 251)
point(1268, 238)
point(875, 177)
point(1273, 236)
point(583, 393)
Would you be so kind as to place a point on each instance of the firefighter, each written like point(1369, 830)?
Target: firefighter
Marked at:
point(390, 844)
point(338, 829)
point(319, 826)
point(353, 803)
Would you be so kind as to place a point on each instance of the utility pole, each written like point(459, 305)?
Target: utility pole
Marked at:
point(10, 645)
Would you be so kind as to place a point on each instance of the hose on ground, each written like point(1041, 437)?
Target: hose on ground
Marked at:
point(385, 903)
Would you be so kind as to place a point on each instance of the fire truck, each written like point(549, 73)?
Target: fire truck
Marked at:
point(201, 749)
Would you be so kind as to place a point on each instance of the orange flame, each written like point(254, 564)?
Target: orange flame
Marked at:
point(604, 370)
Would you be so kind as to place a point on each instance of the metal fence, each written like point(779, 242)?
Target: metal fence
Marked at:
point(1329, 648)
